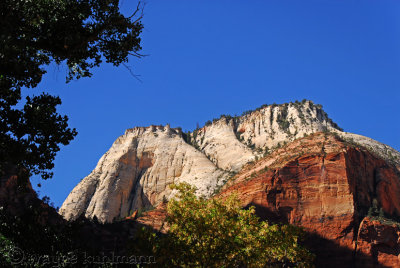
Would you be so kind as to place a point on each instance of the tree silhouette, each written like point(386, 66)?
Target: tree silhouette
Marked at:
point(34, 33)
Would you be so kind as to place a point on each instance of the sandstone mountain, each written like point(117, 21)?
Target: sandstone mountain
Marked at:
point(136, 171)
point(328, 186)
point(346, 198)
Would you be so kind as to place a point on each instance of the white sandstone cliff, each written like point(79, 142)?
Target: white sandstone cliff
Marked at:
point(136, 172)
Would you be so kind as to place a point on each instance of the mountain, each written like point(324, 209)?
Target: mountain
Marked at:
point(136, 171)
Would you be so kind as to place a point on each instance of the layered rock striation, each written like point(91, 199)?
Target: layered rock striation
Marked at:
point(324, 184)
point(138, 168)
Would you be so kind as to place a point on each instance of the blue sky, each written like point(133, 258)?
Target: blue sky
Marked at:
point(207, 58)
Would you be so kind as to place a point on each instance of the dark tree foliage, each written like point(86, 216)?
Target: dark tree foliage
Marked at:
point(34, 33)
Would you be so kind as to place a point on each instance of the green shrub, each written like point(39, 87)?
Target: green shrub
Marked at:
point(219, 233)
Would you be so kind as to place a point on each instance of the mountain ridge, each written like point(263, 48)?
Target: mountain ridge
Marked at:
point(136, 171)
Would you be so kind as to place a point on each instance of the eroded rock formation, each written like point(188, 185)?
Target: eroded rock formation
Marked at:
point(325, 185)
point(378, 244)
point(137, 170)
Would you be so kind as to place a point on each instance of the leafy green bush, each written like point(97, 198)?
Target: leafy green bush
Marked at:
point(219, 233)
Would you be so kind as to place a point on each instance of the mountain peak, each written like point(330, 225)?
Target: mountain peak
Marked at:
point(137, 170)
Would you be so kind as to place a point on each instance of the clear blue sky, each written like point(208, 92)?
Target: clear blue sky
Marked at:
point(207, 58)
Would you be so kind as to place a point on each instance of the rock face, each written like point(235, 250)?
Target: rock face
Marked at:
point(136, 171)
point(325, 185)
point(276, 125)
point(220, 144)
point(231, 142)
point(381, 150)
point(378, 243)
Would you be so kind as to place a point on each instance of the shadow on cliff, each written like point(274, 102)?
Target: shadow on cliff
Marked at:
point(328, 253)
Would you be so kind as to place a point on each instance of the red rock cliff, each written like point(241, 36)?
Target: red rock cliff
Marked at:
point(378, 244)
point(326, 186)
